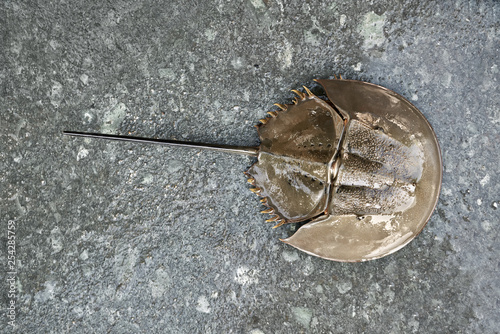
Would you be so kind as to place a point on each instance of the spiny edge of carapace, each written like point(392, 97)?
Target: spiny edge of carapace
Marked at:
point(301, 96)
point(265, 201)
point(284, 107)
point(270, 115)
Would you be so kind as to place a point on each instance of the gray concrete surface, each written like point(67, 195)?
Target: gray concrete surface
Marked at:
point(124, 238)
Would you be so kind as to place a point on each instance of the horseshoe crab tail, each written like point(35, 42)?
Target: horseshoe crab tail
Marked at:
point(244, 150)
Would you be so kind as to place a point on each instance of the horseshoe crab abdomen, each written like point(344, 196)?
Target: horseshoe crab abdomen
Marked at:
point(377, 173)
point(386, 181)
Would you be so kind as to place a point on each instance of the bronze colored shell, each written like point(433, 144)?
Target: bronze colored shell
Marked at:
point(362, 168)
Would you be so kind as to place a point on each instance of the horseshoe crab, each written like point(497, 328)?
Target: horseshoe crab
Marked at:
point(360, 167)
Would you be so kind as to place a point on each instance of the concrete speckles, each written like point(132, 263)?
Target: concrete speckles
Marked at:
point(290, 256)
point(246, 276)
point(47, 293)
point(87, 116)
point(344, 287)
point(210, 34)
point(161, 283)
point(308, 267)
point(82, 153)
point(113, 117)
point(84, 78)
point(125, 261)
point(203, 305)
point(316, 34)
point(238, 63)
point(371, 29)
point(258, 4)
point(343, 20)
point(167, 74)
point(56, 94)
point(357, 67)
point(486, 225)
point(56, 239)
point(284, 56)
point(256, 331)
point(147, 179)
point(302, 315)
point(84, 255)
point(310, 37)
point(484, 181)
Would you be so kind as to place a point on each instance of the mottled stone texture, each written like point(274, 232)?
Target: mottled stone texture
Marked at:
point(123, 238)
